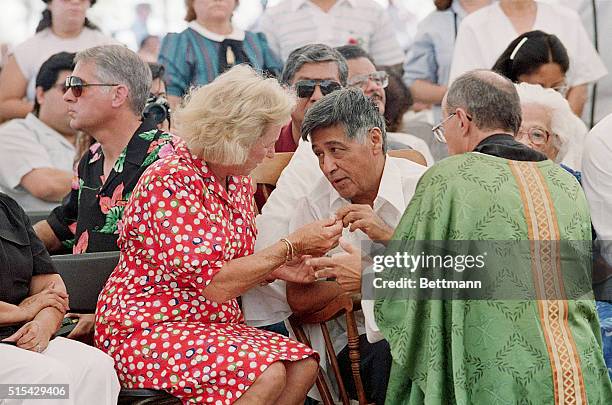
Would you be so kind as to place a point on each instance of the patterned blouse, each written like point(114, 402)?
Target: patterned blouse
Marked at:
point(91, 213)
point(191, 59)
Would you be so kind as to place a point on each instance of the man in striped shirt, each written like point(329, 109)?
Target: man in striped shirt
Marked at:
point(294, 23)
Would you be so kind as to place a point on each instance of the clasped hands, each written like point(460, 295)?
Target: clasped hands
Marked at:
point(35, 334)
point(344, 267)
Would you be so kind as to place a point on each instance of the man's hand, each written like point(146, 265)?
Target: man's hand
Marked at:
point(361, 216)
point(84, 329)
point(345, 267)
point(49, 297)
point(32, 336)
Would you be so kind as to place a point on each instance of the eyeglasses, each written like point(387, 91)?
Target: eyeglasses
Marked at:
point(537, 136)
point(562, 88)
point(438, 130)
point(76, 84)
point(305, 88)
point(380, 77)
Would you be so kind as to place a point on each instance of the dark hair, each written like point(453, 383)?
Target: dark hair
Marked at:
point(353, 52)
point(145, 39)
point(157, 70)
point(398, 100)
point(442, 5)
point(49, 71)
point(528, 52)
point(46, 20)
point(351, 109)
point(491, 100)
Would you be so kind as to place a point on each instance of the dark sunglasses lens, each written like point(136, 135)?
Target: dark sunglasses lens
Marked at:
point(304, 89)
point(329, 87)
point(75, 84)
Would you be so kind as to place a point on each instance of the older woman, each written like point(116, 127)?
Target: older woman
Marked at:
point(33, 301)
point(550, 126)
point(63, 27)
point(209, 46)
point(169, 314)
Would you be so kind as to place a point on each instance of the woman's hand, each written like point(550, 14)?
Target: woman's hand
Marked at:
point(316, 238)
point(295, 272)
point(49, 297)
point(32, 336)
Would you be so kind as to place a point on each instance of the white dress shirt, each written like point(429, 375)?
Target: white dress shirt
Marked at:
point(267, 305)
point(295, 23)
point(486, 33)
point(29, 144)
point(597, 181)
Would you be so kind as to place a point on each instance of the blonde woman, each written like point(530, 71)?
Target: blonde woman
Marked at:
point(168, 314)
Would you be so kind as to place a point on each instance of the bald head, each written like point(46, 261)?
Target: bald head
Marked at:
point(489, 98)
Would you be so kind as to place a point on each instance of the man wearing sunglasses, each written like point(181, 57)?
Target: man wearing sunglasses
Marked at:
point(106, 94)
point(312, 72)
point(38, 151)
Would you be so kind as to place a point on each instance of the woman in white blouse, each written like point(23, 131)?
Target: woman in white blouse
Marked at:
point(63, 27)
point(485, 34)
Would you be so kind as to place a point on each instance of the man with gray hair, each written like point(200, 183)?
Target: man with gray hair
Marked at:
point(506, 191)
point(106, 93)
point(348, 134)
point(312, 71)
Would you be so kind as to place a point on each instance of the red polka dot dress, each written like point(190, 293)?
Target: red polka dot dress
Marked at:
point(179, 228)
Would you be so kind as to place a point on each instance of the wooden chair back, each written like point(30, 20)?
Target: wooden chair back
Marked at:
point(409, 154)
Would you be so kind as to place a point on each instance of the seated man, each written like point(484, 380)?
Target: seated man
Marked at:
point(347, 134)
point(106, 93)
point(38, 151)
point(489, 348)
point(266, 305)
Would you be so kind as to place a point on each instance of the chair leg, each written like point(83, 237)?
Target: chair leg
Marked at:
point(334, 364)
point(321, 384)
point(353, 346)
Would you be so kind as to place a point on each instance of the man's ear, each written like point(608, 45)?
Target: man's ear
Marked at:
point(376, 137)
point(40, 95)
point(120, 95)
point(464, 121)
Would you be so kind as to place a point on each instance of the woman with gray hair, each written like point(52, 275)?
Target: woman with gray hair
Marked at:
point(168, 314)
point(549, 125)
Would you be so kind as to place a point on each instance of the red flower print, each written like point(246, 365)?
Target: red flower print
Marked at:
point(81, 246)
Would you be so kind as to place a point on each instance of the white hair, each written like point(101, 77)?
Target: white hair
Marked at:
point(568, 128)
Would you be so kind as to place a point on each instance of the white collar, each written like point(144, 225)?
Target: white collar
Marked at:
point(236, 34)
point(299, 3)
point(36, 124)
point(390, 190)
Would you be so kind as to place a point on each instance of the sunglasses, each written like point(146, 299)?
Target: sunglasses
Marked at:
point(305, 88)
point(76, 84)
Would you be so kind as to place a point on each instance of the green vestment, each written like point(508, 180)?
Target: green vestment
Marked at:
point(544, 351)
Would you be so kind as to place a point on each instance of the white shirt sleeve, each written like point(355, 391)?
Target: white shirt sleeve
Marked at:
point(597, 180)
point(586, 65)
point(21, 152)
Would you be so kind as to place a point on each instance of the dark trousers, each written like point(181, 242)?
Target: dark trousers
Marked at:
point(375, 368)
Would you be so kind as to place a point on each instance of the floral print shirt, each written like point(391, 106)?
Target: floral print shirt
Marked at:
point(89, 219)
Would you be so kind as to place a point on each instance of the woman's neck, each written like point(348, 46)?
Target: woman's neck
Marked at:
point(472, 5)
point(324, 5)
point(517, 7)
point(223, 27)
point(66, 30)
point(221, 172)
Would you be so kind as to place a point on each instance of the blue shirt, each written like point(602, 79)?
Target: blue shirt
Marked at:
point(432, 51)
point(191, 59)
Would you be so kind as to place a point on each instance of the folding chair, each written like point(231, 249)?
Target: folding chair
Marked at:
point(84, 276)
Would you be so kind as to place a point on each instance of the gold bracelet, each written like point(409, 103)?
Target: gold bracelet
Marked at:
point(290, 250)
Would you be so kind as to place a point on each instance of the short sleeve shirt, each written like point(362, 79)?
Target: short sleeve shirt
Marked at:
point(29, 144)
point(89, 219)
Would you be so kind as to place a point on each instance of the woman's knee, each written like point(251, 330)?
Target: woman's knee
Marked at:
point(275, 377)
point(305, 370)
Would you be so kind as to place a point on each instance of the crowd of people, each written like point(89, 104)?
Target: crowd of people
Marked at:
point(150, 154)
